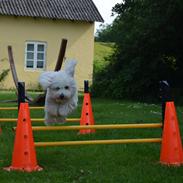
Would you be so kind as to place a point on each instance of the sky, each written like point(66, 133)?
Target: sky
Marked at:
point(105, 7)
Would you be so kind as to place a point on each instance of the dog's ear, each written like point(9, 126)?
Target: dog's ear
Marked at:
point(70, 67)
point(46, 79)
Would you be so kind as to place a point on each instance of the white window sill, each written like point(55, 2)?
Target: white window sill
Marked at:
point(33, 70)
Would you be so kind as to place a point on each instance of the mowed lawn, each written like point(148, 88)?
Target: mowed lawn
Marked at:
point(102, 51)
point(120, 163)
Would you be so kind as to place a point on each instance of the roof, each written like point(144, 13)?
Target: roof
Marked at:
point(81, 10)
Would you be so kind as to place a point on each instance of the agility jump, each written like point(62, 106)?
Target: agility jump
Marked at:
point(24, 147)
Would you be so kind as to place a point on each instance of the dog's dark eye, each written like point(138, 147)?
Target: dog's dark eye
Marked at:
point(66, 87)
point(57, 88)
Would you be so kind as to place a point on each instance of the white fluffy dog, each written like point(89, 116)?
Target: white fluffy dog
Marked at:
point(61, 96)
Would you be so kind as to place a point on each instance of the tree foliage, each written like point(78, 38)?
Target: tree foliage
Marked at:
point(105, 34)
point(149, 43)
point(4, 72)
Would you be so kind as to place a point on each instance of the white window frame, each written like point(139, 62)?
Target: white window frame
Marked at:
point(35, 53)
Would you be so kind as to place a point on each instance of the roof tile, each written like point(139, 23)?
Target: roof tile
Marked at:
point(81, 10)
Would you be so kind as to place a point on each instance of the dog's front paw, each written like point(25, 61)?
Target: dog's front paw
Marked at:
point(54, 120)
point(49, 122)
point(60, 119)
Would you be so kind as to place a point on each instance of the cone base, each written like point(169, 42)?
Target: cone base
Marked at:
point(176, 164)
point(26, 169)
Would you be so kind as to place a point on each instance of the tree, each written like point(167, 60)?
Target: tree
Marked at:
point(105, 34)
point(149, 39)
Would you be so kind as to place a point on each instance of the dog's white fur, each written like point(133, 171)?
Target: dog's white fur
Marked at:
point(61, 96)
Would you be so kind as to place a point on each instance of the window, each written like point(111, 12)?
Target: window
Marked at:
point(35, 55)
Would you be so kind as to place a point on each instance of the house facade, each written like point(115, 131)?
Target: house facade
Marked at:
point(35, 29)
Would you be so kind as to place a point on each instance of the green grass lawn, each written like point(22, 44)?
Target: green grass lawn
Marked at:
point(102, 51)
point(130, 163)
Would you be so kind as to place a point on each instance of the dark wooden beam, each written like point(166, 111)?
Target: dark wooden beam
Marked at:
point(12, 66)
point(61, 55)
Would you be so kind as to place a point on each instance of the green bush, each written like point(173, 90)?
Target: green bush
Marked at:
point(3, 74)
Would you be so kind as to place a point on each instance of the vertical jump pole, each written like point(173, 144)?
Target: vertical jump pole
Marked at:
point(21, 93)
point(165, 95)
point(86, 86)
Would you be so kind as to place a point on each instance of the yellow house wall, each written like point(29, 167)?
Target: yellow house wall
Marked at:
point(16, 31)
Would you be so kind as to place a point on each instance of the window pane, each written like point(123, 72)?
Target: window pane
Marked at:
point(40, 47)
point(35, 55)
point(40, 56)
point(29, 64)
point(39, 64)
point(30, 55)
point(30, 47)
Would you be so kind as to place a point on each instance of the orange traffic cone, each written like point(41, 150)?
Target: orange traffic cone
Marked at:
point(87, 114)
point(171, 148)
point(24, 155)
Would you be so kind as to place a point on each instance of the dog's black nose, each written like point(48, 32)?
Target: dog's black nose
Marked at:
point(62, 96)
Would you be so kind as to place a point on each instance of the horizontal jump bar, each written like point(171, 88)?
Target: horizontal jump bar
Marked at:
point(95, 142)
point(37, 120)
point(16, 108)
point(115, 126)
